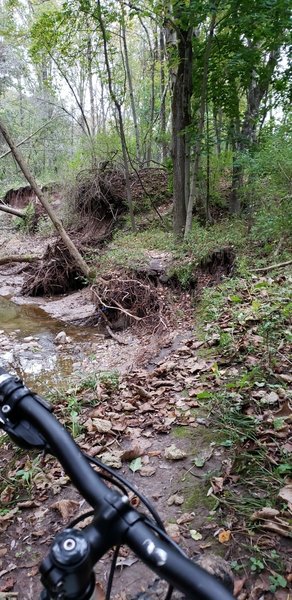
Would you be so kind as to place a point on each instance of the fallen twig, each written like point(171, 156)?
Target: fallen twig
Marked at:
point(271, 267)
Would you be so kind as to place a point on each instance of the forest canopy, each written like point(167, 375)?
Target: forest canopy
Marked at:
point(201, 89)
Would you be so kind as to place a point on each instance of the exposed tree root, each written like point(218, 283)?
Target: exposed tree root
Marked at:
point(124, 300)
point(56, 273)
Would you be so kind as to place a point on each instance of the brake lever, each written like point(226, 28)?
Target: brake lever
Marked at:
point(21, 431)
point(24, 434)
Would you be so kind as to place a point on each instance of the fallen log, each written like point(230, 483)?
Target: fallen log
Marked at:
point(4, 260)
point(12, 211)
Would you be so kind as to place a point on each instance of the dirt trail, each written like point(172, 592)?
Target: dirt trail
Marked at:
point(170, 416)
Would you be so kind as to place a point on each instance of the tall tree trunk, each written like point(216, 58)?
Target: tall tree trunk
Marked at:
point(181, 120)
point(217, 120)
point(131, 88)
point(38, 192)
point(119, 118)
point(163, 97)
point(90, 85)
point(200, 128)
point(245, 138)
point(154, 55)
point(237, 170)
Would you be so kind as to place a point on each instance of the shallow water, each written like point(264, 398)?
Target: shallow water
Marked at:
point(39, 360)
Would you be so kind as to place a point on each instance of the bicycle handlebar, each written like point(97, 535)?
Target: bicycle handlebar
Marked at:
point(19, 407)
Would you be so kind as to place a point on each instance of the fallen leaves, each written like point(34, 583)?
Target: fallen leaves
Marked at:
point(7, 518)
point(66, 508)
point(175, 499)
point(286, 494)
point(174, 453)
point(271, 519)
point(224, 536)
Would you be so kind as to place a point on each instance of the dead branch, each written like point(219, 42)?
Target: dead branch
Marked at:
point(4, 260)
point(271, 267)
point(29, 136)
point(12, 211)
point(115, 337)
point(80, 262)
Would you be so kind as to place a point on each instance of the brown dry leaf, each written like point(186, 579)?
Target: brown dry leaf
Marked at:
point(286, 494)
point(185, 518)
point(287, 447)
point(199, 365)
point(175, 499)
point(282, 595)
point(102, 425)
point(285, 410)
point(7, 495)
point(174, 453)
point(146, 407)
point(112, 459)
point(127, 406)
point(5, 519)
point(238, 586)
point(66, 508)
point(88, 425)
point(172, 529)
point(277, 525)
point(7, 585)
point(224, 536)
point(131, 453)
point(285, 377)
point(3, 551)
point(265, 513)
point(147, 471)
point(262, 584)
point(99, 591)
point(217, 484)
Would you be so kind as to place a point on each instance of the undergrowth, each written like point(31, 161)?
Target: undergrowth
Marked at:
point(245, 325)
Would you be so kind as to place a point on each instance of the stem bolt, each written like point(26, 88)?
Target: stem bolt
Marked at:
point(69, 544)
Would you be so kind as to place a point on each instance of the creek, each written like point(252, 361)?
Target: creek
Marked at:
point(28, 344)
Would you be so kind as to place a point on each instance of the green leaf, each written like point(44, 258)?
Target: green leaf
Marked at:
point(235, 298)
point(278, 423)
point(196, 535)
point(136, 464)
point(284, 468)
point(204, 395)
point(199, 461)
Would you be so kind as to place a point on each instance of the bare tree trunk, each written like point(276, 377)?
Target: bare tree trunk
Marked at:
point(58, 225)
point(163, 97)
point(181, 119)
point(237, 171)
point(131, 89)
point(90, 84)
point(200, 128)
point(217, 120)
point(119, 118)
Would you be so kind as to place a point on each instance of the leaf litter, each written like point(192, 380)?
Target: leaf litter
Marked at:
point(148, 403)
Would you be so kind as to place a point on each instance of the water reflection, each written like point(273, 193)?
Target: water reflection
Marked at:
point(27, 344)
